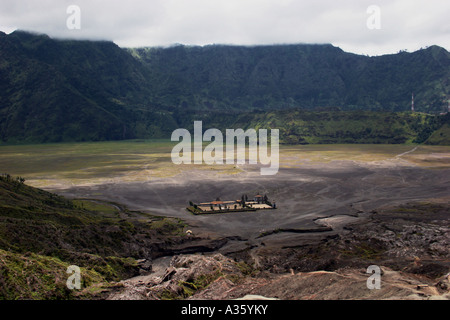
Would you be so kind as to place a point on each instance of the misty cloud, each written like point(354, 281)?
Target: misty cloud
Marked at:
point(404, 24)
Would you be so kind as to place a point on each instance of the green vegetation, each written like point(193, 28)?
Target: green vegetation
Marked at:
point(326, 127)
point(34, 276)
point(194, 210)
point(55, 91)
point(440, 136)
point(299, 75)
point(245, 268)
point(41, 234)
point(92, 205)
point(199, 283)
point(365, 251)
point(168, 226)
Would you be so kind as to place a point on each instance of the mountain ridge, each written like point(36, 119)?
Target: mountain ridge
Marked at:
point(308, 75)
point(79, 90)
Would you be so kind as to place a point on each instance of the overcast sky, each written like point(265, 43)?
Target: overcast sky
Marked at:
point(348, 24)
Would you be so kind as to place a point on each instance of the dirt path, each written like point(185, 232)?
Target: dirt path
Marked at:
point(405, 153)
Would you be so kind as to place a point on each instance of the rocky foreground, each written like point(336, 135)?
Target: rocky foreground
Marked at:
point(409, 243)
point(218, 277)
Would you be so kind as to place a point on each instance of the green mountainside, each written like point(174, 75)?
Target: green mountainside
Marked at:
point(301, 75)
point(440, 136)
point(63, 90)
point(41, 234)
point(297, 126)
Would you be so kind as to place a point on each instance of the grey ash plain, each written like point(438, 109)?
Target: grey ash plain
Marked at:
point(307, 196)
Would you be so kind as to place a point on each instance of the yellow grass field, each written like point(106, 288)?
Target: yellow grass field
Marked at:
point(72, 164)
